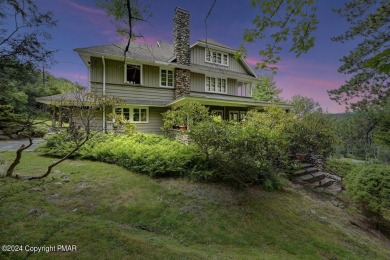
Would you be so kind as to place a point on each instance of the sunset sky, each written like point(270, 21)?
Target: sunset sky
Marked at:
point(81, 24)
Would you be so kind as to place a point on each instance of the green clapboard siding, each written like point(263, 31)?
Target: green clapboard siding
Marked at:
point(151, 76)
point(232, 83)
point(197, 82)
point(135, 92)
point(155, 121)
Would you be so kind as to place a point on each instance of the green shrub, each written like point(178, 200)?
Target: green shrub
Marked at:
point(341, 167)
point(151, 154)
point(370, 188)
point(245, 153)
point(312, 133)
point(187, 115)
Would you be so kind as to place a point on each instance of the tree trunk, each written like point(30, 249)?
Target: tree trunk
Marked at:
point(11, 168)
point(59, 161)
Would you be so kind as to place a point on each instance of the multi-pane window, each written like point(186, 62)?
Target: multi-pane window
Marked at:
point(244, 89)
point(166, 77)
point(133, 114)
point(123, 111)
point(133, 74)
point(217, 85)
point(140, 115)
point(217, 57)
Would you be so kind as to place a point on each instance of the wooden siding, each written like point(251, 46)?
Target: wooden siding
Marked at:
point(136, 92)
point(232, 85)
point(198, 57)
point(151, 76)
point(96, 69)
point(155, 121)
point(197, 82)
point(115, 72)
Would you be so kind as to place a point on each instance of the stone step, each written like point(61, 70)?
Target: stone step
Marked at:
point(323, 183)
point(312, 177)
point(305, 171)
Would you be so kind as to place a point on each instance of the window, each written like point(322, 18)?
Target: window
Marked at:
point(216, 85)
point(217, 57)
point(217, 113)
point(123, 111)
point(133, 74)
point(244, 89)
point(242, 115)
point(134, 114)
point(140, 115)
point(166, 78)
point(233, 115)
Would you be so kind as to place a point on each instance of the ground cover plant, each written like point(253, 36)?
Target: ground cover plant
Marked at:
point(110, 212)
point(151, 154)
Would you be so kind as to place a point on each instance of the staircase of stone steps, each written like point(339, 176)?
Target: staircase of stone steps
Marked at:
point(312, 176)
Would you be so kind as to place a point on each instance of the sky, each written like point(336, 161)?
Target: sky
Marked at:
point(81, 24)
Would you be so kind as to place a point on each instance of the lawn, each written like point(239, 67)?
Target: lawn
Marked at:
point(111, 213)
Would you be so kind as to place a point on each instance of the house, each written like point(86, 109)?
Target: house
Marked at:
point(154, 78)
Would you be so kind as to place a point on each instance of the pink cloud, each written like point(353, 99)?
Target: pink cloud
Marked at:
point(84, 8)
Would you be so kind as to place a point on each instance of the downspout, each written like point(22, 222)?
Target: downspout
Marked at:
point(104, 93)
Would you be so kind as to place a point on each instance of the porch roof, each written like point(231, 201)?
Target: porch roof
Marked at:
point(225, 100)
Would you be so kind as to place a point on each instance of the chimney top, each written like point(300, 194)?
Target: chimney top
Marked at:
point(179, 9)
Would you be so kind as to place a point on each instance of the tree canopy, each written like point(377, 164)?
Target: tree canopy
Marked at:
point(24, 33)
point(368, 63)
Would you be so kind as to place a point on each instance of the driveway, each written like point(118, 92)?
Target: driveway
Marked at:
point(13, 145)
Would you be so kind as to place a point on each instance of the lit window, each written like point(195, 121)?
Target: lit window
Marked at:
point(166, 78)
point(217, 57)
point(133, 74)
point(216, 85)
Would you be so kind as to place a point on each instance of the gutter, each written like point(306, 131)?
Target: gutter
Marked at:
point(104, 93)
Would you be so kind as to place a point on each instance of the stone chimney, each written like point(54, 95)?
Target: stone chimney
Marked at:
point(181, 49)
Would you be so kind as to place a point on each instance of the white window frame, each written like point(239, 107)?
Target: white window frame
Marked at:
point(216, 83)
point(173, 78)
point(216, 54)
point(131, 113)
point(234, 112)
point(121, 114)
point(141, 73)
point(215, 112)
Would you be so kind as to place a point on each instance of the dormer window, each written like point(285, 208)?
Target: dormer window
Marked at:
point(133, 74)
point(216, 57)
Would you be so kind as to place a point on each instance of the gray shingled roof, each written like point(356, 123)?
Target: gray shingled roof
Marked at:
point(213, 42)
point(137, 51)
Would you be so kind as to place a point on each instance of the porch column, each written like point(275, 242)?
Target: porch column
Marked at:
point(53, 117)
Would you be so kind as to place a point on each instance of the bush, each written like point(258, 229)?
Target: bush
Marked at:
point(341, 167)
point(151, 154)
point(245, 153)
point(370, 188)
point(189, 114)
point(312, 133)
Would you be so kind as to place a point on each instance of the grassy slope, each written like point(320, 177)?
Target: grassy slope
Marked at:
point(109, 212)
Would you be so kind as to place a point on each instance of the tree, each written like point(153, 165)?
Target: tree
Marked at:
point(125, 13)
point(83, 106)
point(369, 62)
point(266, 90)
point(305, 105)
point(22, 34)
point(281, 21)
